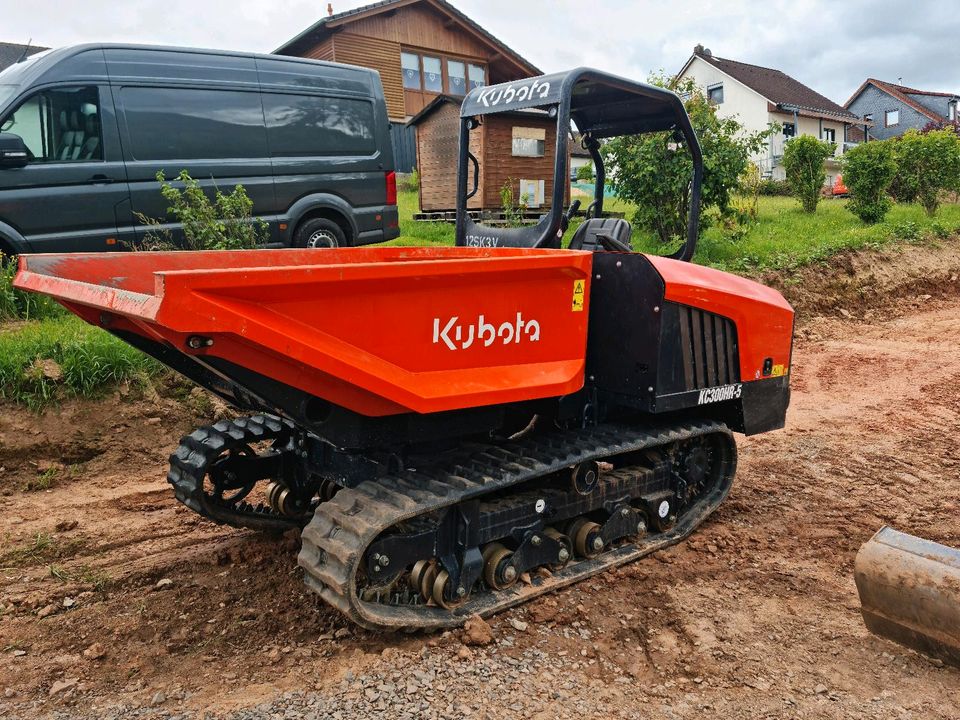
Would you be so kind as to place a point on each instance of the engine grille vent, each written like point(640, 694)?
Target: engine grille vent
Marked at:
point(709, 346)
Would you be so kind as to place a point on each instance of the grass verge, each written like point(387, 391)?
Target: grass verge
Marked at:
point(85, 361)
point(783, 237)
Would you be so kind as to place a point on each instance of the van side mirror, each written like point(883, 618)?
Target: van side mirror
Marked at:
point(13, 151)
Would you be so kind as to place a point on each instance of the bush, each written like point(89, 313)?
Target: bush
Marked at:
point(774, 188)
point(227, 223)
point(653, 170)
point(803, 159)
point(928, 164)
point(868, 170)
point(585, 172)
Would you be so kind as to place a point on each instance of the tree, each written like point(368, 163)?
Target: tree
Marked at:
point(868, 170)
point(803, 159)
point(585, 172)
point(653, 170)
point(928, 164)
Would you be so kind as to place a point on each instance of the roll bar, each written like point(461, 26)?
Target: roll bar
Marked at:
point(603, 106)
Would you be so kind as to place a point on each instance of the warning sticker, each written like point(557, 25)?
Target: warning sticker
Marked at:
point(578, 288)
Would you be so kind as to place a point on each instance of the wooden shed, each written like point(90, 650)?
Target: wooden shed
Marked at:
point(518, 147)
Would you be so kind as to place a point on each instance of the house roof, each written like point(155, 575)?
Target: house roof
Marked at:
point(776, 86)
point(327, 24)
point(575, 146)
point(902, 94)
point(12, 52)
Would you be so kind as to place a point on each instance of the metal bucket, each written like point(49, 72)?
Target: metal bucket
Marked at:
point(910, 592)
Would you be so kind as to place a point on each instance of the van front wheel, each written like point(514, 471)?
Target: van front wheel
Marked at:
point(319, 233)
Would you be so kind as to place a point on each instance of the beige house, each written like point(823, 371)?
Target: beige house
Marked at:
point(758, 96)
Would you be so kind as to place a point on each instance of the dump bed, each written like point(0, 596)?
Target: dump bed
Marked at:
point(379, 331)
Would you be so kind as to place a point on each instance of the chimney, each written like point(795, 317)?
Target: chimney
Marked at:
point(698, 49)
point(329, 9)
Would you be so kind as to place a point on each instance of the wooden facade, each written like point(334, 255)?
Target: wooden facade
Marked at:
point(438, 129)
point(377, 36)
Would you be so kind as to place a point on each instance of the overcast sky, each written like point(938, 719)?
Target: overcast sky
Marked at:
point(831, 46)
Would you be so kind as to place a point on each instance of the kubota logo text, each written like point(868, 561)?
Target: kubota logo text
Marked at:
point(514, 92)
point(456, 336)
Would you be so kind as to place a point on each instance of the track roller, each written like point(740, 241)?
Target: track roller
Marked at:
point(442, 593)
point(584, 477)
point(566, 552)
point(498, 570)
point(587, 541)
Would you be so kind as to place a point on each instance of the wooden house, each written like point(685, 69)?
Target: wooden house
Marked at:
point(517, 147)
point(421, 48)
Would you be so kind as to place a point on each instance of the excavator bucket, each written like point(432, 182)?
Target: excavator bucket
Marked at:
point(910, 592)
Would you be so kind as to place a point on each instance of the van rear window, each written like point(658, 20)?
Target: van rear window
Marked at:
point(311, 125)
point(186, 124)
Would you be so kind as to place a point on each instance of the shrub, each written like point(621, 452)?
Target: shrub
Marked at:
point(928, 164)
point(513, 211)
point(585, 172)
point(653, 170)
point(774, 188)
point(803, 159)
point(868, 170)
point(226, 223)
point(908, 231)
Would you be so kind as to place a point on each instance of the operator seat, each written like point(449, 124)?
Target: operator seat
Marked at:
point(602, 234)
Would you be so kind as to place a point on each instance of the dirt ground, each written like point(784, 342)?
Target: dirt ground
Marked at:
point(114, 597)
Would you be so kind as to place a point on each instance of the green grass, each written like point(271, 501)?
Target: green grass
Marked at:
point(783, 238)
point(19, 305)
point(89, 358)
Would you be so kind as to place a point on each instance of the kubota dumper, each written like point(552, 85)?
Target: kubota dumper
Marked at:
point(443, 421)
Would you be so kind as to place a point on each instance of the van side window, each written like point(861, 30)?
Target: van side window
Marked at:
point(59, 125)
point(300, 125)
point(185, 124)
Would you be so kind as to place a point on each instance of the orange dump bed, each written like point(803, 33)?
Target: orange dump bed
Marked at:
point(377, 330)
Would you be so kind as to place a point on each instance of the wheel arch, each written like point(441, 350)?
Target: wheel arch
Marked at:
point(12, 242)
point(330, 207)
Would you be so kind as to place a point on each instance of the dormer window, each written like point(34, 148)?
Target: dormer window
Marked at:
point(715, 94)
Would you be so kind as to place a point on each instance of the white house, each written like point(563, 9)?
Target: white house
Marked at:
point(758, 96)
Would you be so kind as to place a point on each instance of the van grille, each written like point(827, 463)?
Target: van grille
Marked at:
point(709, 346)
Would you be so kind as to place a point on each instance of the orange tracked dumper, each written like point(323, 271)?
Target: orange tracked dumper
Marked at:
point(441, 421)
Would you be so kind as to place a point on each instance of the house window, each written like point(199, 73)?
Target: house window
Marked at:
point(715, 94)
point(868, 117)
point(476, 76)
point(952, 112)
point(432, 74)
point(456, 77)
point(892, 118)
point(529, 142)
point(410, 64)
point(830, 135)
point(789, 129)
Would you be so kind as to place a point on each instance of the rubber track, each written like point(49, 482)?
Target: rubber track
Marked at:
point(336, 538)
point(190, 461)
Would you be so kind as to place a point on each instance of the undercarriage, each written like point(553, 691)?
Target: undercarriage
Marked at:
point(430, 539)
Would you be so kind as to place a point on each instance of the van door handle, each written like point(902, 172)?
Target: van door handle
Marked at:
point(101, 180)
